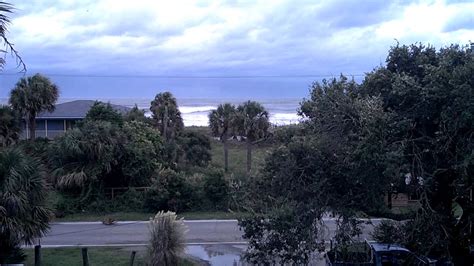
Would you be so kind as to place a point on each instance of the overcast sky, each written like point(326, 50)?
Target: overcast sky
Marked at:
point(73, 40)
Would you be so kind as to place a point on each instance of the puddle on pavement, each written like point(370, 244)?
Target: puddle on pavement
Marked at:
point(217, 254)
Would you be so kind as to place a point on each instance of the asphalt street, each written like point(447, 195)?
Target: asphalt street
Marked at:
point(137, 233)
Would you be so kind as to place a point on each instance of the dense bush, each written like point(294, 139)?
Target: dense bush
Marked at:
point(142, 151)
point(169, 191)
point(196, 148)
point(285, 134)
point(10, 126)
point(104, 112)
point(216, 188)
point(23, 215)
point(100, 154)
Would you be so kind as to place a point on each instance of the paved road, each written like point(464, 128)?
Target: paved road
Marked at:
point(136, 233)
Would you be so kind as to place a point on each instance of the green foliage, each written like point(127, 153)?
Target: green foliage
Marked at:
point(136, 114)
point(283, 236)
point(166, 115)
point(101, 154)
point(33, 95)
point(82, 157)
point(196, 148)
point(430, 95)
point(410, 121)
point(167, 241)
point(10, 126)
point(142, 153)
point(169, 191)
point(104, 112)
point(389, 231)
point(37, 148)
point(23, 215)
point(251, 120)
point(285, 134)
point(216, 188)
point(221, 123)
point(130, 201)
point(221, 120)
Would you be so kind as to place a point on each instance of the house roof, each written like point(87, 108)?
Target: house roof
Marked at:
point(76, 109)
point(387, 247)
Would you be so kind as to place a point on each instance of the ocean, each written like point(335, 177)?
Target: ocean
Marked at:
point(195, 111)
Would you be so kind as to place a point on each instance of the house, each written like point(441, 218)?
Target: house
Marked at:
point(64, 117)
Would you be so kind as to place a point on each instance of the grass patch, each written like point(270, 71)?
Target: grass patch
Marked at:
point(237, 153)
point(93, 217)
point(238, 156)
point(210, 215)
point(144, 216)
point(97, 256)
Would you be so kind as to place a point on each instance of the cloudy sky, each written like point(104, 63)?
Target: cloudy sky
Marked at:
point(118, 49)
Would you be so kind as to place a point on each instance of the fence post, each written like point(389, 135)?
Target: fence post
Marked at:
point(132, 257)
point(37, 255)
point(85, 257)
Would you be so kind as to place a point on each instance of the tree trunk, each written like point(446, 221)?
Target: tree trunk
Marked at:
point(32, 125)
point(165, 123)
point(389, 200)
point(249, 156)
point(226, 152)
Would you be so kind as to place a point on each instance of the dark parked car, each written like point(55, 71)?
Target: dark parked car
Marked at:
point(373, 253)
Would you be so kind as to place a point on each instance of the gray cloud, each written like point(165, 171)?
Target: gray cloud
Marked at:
point(223, 38)
point(463, 20)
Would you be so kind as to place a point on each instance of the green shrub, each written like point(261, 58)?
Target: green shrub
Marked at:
point(169, 191)
point(130, 200)
point(216, 188)
point(196, 147)
point(388, 232)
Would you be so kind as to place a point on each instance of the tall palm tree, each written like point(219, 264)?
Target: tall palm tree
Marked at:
point(9, 126)
point(23, 217)
point(5, 10)
point(166, 115)
point(251, 121)
point(33, 95)
point(220, 122)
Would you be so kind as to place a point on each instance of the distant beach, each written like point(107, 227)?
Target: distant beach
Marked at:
point(195, 111)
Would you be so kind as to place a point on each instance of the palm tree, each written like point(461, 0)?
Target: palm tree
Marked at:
point(166, 115)
point(251, 121)
point(5, 10)
point(9, 126)
point(33, 95)
point(220, 122)
point(23, 217)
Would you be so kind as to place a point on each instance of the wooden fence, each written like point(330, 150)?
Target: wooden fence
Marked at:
point(115, 191)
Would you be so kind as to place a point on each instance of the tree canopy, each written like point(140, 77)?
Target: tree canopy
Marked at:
point(411, 118)
point(10, 126)
point(166, 115)
point(100, 111)
point(23, 215)
point(251, 120)
point(221, 122)
point(33, 95)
